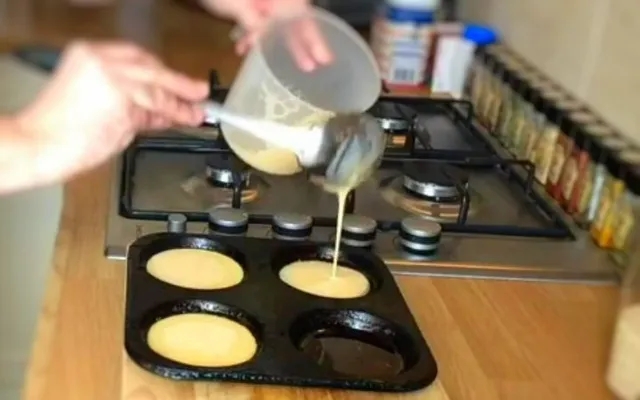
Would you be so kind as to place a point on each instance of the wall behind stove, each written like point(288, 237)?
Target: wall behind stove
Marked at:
point(588, 46)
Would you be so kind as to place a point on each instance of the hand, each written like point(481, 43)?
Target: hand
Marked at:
point(305, 40)
point(99, 97)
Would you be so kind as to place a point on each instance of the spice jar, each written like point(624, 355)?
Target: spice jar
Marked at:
point(507, 98)
point(587, 197)
point(577, 170)
point(626, 211)
point(563, 151)
point(512, 108)
point(538, 119)
point(486, 106)
point(624, 369)
point(521, 113)
point(542, 133)
point(527, 128)
point(477, 84)
point(494, 102)
point(544, 149)
point(614, 186)
point(563, 154)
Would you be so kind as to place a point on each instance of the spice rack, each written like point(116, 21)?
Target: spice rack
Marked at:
point(583, 163)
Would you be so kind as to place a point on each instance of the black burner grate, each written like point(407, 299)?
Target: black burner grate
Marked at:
point(455, 165)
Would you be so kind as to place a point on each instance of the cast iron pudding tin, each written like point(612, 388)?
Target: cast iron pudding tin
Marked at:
point(369, 343)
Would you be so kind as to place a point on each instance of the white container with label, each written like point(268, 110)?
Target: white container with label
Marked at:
point(401, 37)
point(454, 57)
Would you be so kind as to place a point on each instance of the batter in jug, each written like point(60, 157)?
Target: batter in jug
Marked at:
point(274, 161)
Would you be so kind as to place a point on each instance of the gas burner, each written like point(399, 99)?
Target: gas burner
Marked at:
point(227, 171)
point(394, 117)
point(435, 182)
point(226, 182)
point(439, 209)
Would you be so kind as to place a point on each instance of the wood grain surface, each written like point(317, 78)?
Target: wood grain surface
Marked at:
point(491, 339)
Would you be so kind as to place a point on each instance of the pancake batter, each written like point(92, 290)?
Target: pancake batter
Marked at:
point(342, 199)
point(202, 340)
point(195, 269)
point(317, 277)
point(274, 161)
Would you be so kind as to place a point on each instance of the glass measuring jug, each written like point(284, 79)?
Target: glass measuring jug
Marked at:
point(270, 85)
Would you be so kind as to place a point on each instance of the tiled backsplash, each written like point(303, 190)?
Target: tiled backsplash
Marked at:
point(590, 47)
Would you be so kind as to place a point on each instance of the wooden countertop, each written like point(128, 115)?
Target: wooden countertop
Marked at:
point(491, 339)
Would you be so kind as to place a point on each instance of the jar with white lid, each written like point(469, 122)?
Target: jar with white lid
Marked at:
point(623, 371)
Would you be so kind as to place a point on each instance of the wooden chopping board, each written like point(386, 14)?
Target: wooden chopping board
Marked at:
point(138, 384)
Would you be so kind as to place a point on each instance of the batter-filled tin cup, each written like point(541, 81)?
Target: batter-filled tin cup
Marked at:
point(308, 268)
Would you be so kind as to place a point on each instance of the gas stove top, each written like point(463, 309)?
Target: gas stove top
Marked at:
point(445, 201)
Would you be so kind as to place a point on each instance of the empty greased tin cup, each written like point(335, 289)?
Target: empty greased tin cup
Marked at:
point(272, 85)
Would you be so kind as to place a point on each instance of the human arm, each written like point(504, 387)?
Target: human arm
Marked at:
point(305, 39)
point(99, 97)
point(24, 163)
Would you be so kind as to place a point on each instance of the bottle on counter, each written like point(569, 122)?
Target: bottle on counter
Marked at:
point(624, 368)
point(441, 30)
point(401, 39)
point(613, 187)
point(626, 236)
point(454, 57)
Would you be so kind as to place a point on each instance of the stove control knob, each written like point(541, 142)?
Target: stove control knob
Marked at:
point(228, 221)
point(177, 223)
point(358, 231)
point(290, 226)
point(420, 236)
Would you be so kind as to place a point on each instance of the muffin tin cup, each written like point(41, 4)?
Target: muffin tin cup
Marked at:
point(368, 343)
